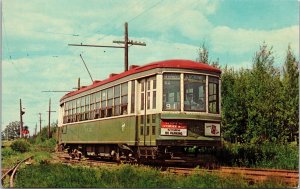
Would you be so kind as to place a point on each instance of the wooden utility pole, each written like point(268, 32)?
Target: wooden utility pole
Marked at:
point(126, 42)
point(40, 122)
point(35, 129)
point(78, 83)
point(21, 119)
point(49, 114)
point(126, 46)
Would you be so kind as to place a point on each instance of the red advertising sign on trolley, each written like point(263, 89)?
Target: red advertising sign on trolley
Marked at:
point(173, 128)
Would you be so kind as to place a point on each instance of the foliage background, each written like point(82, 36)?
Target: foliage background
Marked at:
point(262, 103)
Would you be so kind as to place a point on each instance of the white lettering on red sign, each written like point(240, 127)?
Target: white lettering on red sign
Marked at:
point(173, 128)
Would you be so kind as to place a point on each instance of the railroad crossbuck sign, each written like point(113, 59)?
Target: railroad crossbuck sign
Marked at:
point(212, 129)
point(173, 128)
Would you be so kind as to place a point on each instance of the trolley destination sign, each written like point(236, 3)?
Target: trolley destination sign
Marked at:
point(173, 128)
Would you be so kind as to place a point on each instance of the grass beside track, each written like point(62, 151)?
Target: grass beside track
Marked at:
point(10, 157)
point(124, 176)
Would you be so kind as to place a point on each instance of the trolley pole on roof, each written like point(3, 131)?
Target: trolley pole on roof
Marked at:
point(86, 69)
point(126, 42)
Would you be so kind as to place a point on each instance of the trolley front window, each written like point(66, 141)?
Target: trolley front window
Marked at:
point(171, 91)
point(194, 92)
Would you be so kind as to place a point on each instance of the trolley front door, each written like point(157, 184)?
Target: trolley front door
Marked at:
point(146, 88)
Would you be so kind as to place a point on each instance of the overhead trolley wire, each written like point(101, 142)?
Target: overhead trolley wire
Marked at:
point(145, 11)
point(8, 49)
point(133, 18)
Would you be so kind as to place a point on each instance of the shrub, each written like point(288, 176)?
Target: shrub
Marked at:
point(42, 157)
point(265, 155)
point(6, 152)
point(48, 145)
point(20, 145)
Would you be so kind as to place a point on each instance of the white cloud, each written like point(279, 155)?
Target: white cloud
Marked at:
point(242, 40)
point(188, 17)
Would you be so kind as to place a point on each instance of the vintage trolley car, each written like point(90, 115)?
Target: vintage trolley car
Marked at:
point(151, 112)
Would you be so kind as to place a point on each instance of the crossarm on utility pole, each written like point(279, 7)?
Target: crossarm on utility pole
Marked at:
point(126, 42)
point(131, 43)
point(109, 46)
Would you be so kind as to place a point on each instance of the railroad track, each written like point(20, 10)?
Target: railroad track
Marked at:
point(65, 159)
point(12, 171)
point(251, 174)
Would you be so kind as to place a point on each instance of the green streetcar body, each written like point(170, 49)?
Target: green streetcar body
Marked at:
point(174, 103)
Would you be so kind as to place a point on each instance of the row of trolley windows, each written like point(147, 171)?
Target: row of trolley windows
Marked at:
point(194, 93)
point(106, 103)
point(114, 101)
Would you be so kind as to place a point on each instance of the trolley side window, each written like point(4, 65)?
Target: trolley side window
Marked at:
point(92, 106)
point(103, 104)
point(73, 111)
point(87, 107)
point(142, 95)
point(124, 98)
point(97, 105)
point(171, 91)
point(213, 95)
point(117, 91)
point(77, 109)
point(132, 96)
point(154, 94)
point(82, 99)
point(109, 106)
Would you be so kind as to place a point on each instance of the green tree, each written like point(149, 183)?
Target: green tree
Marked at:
point(203, 56)
point(11, 131)
point(253, 101)
point(235, 86)
point(43, 135)
point(291, 94)
point(228, 104)
point(264, 97)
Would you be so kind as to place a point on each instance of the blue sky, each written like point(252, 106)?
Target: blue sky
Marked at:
point(35, 37)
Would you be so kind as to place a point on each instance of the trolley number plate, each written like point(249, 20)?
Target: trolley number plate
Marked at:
point(173, 129)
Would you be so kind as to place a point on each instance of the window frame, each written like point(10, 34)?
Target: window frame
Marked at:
point(124, 95)
point(216, 83)
point(203, 83)
point(164, 89)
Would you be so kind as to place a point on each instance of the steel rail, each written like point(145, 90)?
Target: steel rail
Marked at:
point(13, 171)
point(11, 180)
point(8, 172)
point(259, 174)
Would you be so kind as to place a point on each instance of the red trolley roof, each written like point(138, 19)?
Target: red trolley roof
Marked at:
point(182, 64)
